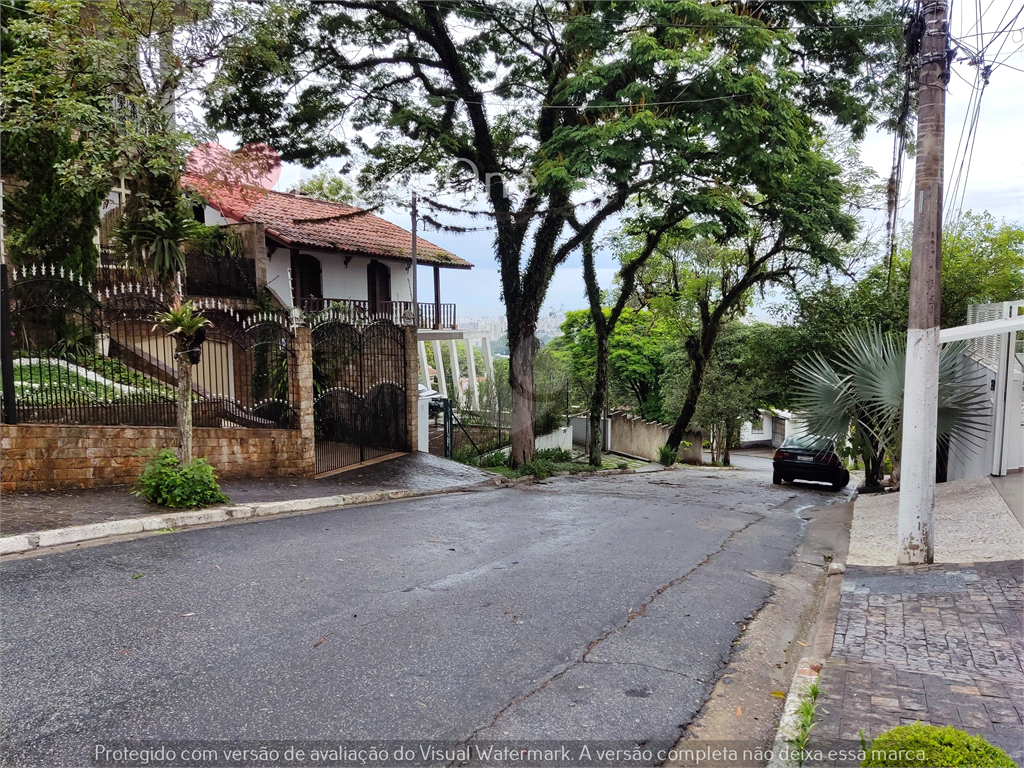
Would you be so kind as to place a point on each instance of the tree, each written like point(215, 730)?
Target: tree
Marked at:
point(562, 112)
point(633, 363)
point(327, 186)
point(983, 262)
point(92, 92)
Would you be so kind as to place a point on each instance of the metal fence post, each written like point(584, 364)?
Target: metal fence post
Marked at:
point(7, 350)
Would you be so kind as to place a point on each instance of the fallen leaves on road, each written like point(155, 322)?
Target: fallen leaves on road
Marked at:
point(321, 639)
point(739, 711)
point(803, 644)
point(217, 567)
point(186, 615)
point(779, 694)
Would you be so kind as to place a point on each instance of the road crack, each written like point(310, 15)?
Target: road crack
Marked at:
point(641, 611)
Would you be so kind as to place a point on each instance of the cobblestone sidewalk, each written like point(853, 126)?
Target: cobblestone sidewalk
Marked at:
point(940, 644)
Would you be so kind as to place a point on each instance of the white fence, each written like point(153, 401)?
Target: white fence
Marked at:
point(1000, 372)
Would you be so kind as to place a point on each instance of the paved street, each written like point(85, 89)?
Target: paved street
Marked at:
point(600, 608)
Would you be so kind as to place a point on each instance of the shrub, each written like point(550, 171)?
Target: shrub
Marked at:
point(465, 454)
point(166, 482)
point(928, 746)
point(493, 459)
point(667, 456)
point(553, 454)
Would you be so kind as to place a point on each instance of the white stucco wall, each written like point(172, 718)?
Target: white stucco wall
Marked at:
point(277, 275)
point(748, 435)
point(349, 282)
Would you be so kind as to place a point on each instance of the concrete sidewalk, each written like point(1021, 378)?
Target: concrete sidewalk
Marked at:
point(417, 472)
point(940, 644)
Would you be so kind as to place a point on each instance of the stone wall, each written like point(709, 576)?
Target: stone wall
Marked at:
point(641, 438)
point(38, 457)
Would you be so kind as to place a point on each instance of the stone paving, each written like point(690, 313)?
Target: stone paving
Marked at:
point(939, 644)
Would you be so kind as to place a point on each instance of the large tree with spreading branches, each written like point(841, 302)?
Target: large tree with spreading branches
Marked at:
point(558, 114)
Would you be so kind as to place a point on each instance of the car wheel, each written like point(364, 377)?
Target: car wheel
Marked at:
point(842, 481)
point(776, 478)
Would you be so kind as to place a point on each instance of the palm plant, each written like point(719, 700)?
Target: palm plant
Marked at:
point(857, 399)
point(188, 328)
point(155, 236)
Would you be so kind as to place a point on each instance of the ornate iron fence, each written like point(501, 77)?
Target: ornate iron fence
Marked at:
point(76, 355)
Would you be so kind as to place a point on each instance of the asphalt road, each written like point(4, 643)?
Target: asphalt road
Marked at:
point(602, 608)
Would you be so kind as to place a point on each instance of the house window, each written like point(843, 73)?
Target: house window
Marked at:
point(307, 282)
point(378, 285)
point(110, 212)
point(757, 427)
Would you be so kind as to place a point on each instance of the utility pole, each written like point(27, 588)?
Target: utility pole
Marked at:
point(921, 391)
point(415, 304)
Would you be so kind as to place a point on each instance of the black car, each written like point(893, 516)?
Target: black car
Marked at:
point(806, 457)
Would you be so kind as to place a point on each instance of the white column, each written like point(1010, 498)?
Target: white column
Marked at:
point(488, 362)
point(474, 393)
point(453, 354)
point(422, 348)
point(442, 380)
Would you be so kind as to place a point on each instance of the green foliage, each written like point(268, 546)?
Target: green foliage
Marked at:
point(982, 262)
point(73, 339)
point(214, 241)
point(857, 397)
point(155, 236)
point(326, 185)
point(635, 359)
point(166, 482)
point(46, 221)
point(94, 70)
point(928, 746)
point(667, 455)
point(556, 455)
point(184, 323)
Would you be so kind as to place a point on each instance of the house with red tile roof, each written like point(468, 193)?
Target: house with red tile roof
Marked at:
point(318, 253)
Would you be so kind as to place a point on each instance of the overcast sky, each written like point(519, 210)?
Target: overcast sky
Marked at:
point(995, 182)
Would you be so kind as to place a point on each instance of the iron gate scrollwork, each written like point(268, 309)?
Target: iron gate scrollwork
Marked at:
point(359, 401)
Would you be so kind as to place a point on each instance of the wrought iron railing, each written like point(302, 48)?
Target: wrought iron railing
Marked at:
point(397, 312)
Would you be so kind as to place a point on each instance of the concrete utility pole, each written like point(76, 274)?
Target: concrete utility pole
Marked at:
point(921, 392)
point(415, 298)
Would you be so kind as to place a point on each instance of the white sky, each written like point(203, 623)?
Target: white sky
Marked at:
point(995, 182)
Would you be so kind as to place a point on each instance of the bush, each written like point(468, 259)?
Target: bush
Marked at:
point(164, 481)
point(927, 746)
point(667, 456)
point(553, 454)
point(493, 459)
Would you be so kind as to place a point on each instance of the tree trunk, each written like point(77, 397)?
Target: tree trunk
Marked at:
point(184, 407)
point(520, 374)
point(599, 398)
point(675, 437)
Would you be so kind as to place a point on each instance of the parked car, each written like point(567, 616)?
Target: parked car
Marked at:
point(807, 457)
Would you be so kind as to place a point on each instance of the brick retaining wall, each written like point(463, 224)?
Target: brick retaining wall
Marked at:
point(38, 457)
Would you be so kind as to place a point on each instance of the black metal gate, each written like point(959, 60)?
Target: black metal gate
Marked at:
point(359, 402)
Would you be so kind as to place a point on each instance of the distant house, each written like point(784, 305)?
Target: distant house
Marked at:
point(317, 253)
point(771, 429)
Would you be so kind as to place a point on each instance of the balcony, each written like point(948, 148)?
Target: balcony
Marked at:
point(428, 316)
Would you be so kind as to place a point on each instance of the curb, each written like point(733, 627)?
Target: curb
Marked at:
point(810, 666)
point(806, 675)
point(173, 521)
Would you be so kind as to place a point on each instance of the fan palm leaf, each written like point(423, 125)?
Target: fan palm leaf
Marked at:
point(859, 395)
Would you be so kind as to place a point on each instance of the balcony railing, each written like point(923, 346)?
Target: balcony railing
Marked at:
point(398, 312)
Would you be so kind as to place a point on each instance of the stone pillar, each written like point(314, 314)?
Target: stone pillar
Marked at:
point(412, 392)
point(302, 397)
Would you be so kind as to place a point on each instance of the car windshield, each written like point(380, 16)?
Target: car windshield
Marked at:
point(808, 443)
